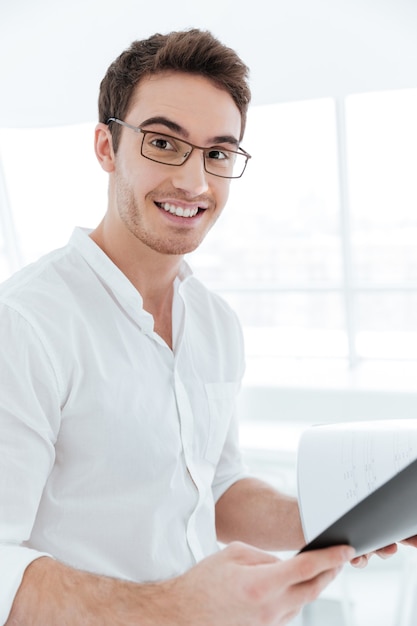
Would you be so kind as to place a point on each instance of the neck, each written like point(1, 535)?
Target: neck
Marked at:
point(151, 273)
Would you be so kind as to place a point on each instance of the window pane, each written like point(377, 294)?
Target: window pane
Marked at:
point(387, 325)
point(291, 324)
point(382, 146)
point(54, 183)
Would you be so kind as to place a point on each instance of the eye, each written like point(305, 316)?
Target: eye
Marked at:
point(218, 155)
point(162, 143)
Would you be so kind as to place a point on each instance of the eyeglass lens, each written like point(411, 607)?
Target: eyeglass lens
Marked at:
point(172, 151)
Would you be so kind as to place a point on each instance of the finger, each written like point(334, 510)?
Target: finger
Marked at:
point(308, 565)
point(307, 591)
point(387, 551)
point(360, 561)
point(411, 541)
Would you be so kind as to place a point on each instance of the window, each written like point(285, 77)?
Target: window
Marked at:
point(382, 152)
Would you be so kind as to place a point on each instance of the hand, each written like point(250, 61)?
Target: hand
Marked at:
point(243, 586)
point(238, 586)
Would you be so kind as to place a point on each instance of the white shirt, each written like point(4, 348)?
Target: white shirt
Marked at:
point(113, 448)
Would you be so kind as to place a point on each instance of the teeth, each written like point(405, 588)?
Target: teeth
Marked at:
point(177, 210)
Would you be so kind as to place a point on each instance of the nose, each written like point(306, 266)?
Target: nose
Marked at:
point(191, 177)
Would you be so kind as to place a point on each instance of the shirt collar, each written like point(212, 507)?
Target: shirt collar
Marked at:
point(125, 292)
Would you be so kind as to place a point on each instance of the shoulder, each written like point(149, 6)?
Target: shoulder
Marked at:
point(40, 289)
point(208, 303)
point(214, 327)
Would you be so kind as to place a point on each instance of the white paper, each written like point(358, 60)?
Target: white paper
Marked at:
point(340, 464)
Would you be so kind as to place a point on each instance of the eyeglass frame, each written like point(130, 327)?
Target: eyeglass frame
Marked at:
point(193, 146)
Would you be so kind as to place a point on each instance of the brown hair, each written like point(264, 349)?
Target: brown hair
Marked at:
point(192, 51)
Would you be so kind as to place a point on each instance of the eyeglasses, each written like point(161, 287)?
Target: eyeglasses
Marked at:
point(170, 150)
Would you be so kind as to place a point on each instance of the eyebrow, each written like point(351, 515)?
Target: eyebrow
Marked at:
point(176, 128)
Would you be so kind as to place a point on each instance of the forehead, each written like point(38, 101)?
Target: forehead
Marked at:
point(194, 102)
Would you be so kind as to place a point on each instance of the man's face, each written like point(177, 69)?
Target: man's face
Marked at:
point(149, 197)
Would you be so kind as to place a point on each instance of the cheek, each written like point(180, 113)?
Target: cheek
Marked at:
point(222, 193)
point(145, 180)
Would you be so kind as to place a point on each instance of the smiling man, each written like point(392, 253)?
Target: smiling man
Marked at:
point(119, 462)
point(165, 193)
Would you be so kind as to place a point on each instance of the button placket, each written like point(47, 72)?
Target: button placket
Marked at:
point(187, 435)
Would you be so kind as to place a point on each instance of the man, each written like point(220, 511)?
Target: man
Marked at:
point(119, 463)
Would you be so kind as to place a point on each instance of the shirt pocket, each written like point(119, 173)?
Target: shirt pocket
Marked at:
point(221, 398)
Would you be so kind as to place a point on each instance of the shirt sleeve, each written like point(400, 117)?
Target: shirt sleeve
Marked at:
point(230, 468)
point(29, 423)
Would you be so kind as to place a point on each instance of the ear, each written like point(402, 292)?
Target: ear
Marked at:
point(103, 147)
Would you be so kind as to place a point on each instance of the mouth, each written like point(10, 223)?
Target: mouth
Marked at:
point(180, 211)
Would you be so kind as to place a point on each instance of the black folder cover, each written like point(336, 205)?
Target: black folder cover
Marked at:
point(387, 515)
